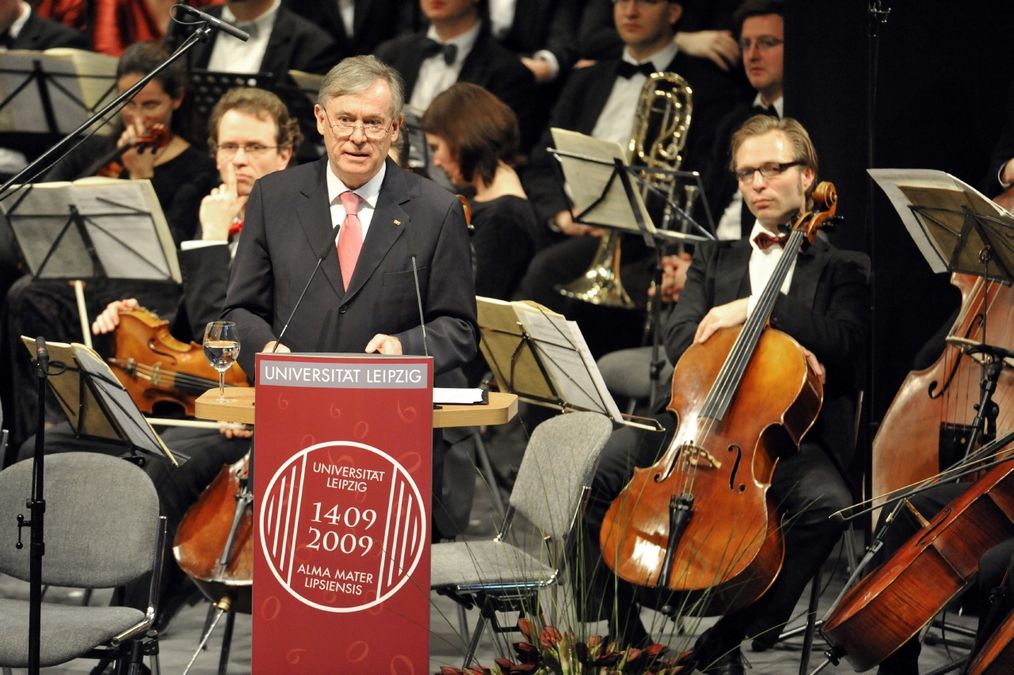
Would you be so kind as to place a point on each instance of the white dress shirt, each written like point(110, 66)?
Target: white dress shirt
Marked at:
point(368, 195)
point(617, 117)
point(762, 266)
point(229, 55)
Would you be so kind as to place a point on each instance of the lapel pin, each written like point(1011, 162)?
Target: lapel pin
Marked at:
point(397, 222)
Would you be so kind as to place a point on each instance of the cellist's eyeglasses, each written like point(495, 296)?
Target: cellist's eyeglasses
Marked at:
point(767, 171)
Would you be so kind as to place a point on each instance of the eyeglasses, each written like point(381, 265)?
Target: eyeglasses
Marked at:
point(764, 43)
point(252, 149)
point(767, 171)
point(343, 126)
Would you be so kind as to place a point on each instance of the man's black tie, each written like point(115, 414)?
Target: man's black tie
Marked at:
point(627, 70)
point(765, 241)
point(449, 51)
point(761, 110)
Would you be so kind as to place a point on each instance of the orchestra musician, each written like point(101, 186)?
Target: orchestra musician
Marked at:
point(362, 298)
point(823, 305)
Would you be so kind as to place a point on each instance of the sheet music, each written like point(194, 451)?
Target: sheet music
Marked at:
point(123, 220)
point(78, 83)
point(568, 361)
point(586, 180)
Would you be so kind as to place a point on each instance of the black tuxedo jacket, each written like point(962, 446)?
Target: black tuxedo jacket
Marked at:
point(545, 24)
point(583, 99)
point(489, 64)
point(288, 224)
point(40, 33)
point(826, 310)
point(294, 44)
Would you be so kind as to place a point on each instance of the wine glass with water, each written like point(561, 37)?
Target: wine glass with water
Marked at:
point(221, 347)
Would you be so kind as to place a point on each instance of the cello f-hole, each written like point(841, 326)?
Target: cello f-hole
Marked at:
point(735, 468)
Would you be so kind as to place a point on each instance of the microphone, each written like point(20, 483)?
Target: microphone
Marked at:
point(218, 24)
point(418, 293)
point(329, 247)
point(41, 356)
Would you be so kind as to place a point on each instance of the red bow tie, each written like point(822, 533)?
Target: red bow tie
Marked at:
point(765, 241)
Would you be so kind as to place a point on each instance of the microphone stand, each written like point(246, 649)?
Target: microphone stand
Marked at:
point(36, 503)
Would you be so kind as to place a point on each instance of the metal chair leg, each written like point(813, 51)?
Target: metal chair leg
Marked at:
point(473, 644)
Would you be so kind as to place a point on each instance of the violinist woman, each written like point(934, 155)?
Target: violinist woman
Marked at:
point(823, 305)
point(180, 175)
point(474, 139)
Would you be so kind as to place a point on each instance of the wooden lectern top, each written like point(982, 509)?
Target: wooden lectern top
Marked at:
point(239, 407)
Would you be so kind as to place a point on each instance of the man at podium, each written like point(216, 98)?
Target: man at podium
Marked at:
point(360, 292)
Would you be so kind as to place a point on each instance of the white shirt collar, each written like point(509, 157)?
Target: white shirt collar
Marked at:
point(263, 23)
point(19, 23)
point(660, 60)
point(779, 104)
point(368, 192)
point(463, 42)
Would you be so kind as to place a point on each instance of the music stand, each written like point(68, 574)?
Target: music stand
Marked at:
point(958, 230)
point(69, 86)
point(92, 229)
point(95, 403)
point(541, 357)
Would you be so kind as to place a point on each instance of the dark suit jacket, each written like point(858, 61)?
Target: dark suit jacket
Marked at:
point(40, 33)
point(288, 224)
point(205, 278)
point(826, 310)
point(488, 64)
point(583, 99)
point(373, 21)
point(295, 44)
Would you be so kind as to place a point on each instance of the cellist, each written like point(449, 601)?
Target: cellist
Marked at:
point(823, 304)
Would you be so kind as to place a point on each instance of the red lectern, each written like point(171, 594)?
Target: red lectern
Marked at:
point(342, 482)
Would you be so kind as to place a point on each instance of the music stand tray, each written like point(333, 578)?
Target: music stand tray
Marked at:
point(94, 401)
point(955, 227)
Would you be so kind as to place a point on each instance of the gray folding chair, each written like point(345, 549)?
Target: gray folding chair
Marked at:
point(554, 475)
point(103, 530)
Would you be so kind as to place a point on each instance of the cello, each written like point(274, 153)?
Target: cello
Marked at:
point(891, 604)
point(699, 521)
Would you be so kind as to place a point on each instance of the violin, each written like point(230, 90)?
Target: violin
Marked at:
point(110, 166)
point(892, 604)
point(156, 368)
point(220, 565)
point(699, 521)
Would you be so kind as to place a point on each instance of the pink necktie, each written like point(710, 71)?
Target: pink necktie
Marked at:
point(350, 239)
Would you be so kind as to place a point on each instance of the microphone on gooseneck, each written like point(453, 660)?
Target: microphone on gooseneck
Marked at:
point(329, 247)
point(418, 293)
point(217, 24)
point(42, 355)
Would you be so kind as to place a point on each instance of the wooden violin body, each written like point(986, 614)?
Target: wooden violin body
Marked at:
point(927, 424)
point(891, 604)
point(111, 165)
point(156, 368)
point(203, 535)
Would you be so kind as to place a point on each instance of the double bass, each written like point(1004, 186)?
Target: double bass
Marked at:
point(926, 427)
point(699, 521)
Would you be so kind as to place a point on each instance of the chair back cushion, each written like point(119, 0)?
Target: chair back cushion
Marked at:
point(101, 520)
point(557, 465)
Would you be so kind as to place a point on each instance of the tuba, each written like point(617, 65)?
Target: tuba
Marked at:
point(656, 141)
